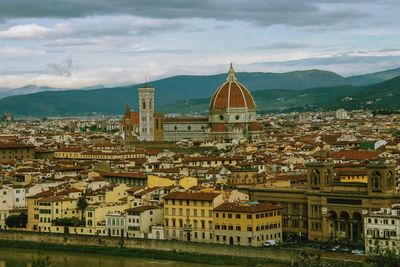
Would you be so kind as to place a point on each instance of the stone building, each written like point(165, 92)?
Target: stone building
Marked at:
point(382, 230)
point(327, 209)
point(9, 152)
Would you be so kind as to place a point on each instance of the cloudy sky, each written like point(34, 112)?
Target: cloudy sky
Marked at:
point(86, 43)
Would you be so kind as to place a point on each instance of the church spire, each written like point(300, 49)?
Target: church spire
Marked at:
point(231, 74)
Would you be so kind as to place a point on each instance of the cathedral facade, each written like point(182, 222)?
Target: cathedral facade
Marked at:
point(232, 116)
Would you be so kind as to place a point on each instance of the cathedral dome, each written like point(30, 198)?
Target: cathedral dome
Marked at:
point(232, 94)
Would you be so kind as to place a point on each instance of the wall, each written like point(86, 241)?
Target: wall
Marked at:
point(279, 254)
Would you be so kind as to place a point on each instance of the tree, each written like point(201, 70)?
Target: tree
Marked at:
point(74, 221)
point(17, 221)
point(82, 205)
point(381, 258)
point(385, 257)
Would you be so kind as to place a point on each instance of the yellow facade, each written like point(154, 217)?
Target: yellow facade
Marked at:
point(153, 181)
point(188, 182)
point(189, 216)
point(212, 162)
point(354, 179)
point(33, 214)
point(95, 214)
point(52, 208)
point(157, 181)
point(250, 224)
point(117, 193)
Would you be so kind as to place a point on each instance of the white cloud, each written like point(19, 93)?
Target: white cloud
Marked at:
point(16, 52)
point(96, 27)
point(106, 76)
point(27, 31)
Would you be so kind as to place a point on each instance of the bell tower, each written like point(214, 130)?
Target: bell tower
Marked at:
point(146, 113)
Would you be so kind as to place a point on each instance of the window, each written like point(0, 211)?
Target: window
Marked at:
point(249, 217)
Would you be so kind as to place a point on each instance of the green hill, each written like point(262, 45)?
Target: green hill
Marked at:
point(190, 94)
point(384, 95)
point(277, 99)
point(372, 78)
point(112, 100)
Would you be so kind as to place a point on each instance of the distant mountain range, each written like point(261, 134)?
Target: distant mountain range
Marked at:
point(190, 94)
point(380, 96)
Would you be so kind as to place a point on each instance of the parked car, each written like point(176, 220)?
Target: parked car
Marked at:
point(345, 249)
point(335, 248)
point(270, 243)
point(358, 251)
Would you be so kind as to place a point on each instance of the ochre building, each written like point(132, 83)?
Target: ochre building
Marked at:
point(327, 209)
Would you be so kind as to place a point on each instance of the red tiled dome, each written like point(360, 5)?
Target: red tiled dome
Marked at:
point(219, 128)
point(232, 94)
point(255, 127)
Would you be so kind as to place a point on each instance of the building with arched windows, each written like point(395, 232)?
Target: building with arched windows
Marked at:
point(328, 208)
point(232, 115)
